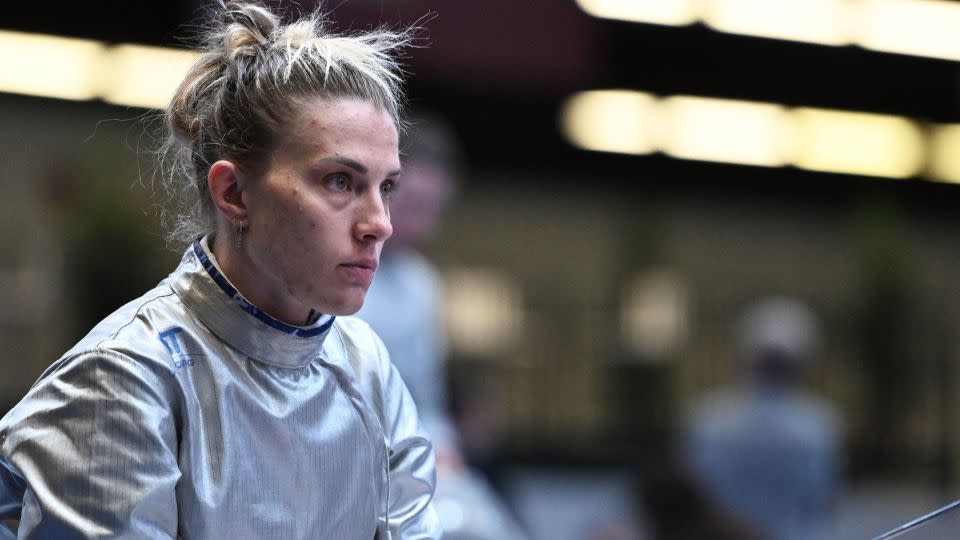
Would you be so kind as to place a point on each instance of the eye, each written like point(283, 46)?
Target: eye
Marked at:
point(338, 182)
point(388, 187)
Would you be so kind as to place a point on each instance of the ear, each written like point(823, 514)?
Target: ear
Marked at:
point(225, 183)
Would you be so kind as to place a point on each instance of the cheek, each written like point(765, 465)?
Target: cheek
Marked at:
point(306, 255)
point(280, 244)
point(306, 233)
point(297, 272)
point(284, 226)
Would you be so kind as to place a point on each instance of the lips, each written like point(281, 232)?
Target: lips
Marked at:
point(370, 264)
point(361, 271)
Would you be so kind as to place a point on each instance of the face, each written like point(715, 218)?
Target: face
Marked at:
point(417, 208)
point(318, 217)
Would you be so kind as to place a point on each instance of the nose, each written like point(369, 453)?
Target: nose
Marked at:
point(373, 222)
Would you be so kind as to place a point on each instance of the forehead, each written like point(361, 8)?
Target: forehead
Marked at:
point(350, 127)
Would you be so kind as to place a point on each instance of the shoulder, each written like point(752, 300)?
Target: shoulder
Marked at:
point(122, 365)
point(97, 390)
point(133, 321)
point(716, 411)
point(718, 401)
point(374, 374)
point(358, 339)
point(355, 329)
point(135, 342)
point(364, 354)
point(817, 418)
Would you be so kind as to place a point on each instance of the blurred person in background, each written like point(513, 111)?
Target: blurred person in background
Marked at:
point(404, 307)
point(237, 399)
point(404, 301)
point(766, 451)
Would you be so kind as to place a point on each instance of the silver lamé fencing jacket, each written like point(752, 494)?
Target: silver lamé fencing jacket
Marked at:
point(190, 414)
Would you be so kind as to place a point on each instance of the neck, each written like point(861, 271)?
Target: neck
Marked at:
point(237, 267)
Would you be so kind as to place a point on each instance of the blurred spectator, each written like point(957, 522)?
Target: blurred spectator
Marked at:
point(403, 307)
point(403, 303)
point(764, 450)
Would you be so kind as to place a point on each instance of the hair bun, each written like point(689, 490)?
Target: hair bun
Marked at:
point(248, 27)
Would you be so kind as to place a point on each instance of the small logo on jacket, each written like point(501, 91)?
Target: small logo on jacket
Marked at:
point(172, 342)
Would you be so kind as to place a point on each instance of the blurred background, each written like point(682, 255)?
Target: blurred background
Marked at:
point(678, 227)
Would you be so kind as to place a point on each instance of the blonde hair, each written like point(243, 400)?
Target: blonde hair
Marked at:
point(252, 74)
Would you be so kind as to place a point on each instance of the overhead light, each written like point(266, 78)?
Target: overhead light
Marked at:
point(945, 153)
point(666, 12)
point(49, 66)
point(915, 27)
point(144, 76)
point(81, 69)
point(757, 133)
point(724, 130)
point(815, 21)
point(856, 143)
point(610, 121)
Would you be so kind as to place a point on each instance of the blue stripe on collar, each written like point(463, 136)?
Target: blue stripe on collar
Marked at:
point(225, 286)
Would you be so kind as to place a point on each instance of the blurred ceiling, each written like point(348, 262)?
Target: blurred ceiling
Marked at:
point(499, 69)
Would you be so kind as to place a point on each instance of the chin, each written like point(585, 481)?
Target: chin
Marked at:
point(343, 312)
point(347, 306)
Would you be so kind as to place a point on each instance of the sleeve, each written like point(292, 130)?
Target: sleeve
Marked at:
point(412, 474)
point(11, 490)
point(90, 452)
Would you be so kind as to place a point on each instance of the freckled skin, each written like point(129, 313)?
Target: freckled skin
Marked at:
point(302, 228)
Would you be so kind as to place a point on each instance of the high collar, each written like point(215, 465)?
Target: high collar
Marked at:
point(207, 292)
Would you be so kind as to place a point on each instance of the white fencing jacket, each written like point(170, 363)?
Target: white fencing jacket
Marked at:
point(191, 414)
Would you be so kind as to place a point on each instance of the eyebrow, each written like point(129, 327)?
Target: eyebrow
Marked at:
point(357, 166)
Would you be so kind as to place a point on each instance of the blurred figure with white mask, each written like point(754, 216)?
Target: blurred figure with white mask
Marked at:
point(766, 451)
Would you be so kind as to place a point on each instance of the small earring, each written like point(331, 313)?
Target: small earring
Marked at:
point(238, 242)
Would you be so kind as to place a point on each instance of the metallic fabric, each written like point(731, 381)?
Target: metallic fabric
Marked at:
point(190, 414)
